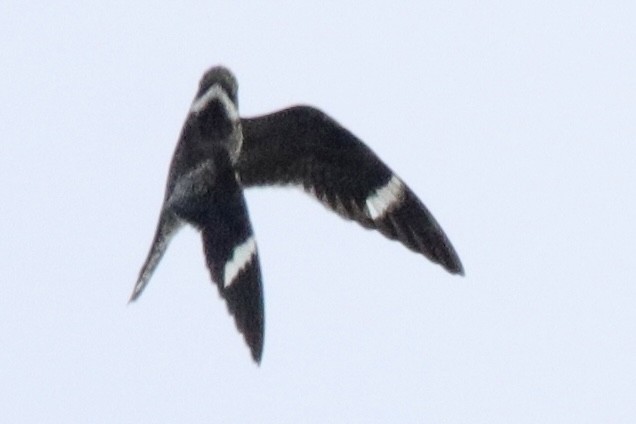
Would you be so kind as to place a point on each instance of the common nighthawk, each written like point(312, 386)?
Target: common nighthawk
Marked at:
point(219, 154)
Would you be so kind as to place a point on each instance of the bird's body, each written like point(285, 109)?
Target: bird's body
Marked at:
point(203, 191)
point(219, 154)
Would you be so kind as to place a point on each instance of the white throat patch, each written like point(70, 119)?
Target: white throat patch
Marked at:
point(215, 92)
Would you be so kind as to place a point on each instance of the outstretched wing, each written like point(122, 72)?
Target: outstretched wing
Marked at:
point(210, 198)
point(167, 227)
point(303, 146)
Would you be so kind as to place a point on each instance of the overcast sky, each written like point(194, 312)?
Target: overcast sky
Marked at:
point(513, 121)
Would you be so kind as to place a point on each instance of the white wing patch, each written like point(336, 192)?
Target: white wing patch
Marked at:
point(241, 257)
point(384, 198)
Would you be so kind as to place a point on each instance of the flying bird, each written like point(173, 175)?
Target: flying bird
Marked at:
point(219, 154)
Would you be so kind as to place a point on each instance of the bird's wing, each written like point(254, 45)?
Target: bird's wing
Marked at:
point(305, 147)
point(210, 198)
point(167, 227)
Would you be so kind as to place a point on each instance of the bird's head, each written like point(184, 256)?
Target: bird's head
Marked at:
point(223, 77)
point(215, 107)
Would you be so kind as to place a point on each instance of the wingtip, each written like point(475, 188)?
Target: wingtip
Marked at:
point(133, 297)
point(453, 265)
point(256, 357)
point(256, 349)
point(138, 289)
point(254, 341)
point(458, 270)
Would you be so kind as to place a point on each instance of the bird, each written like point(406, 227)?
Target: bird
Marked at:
point(219, 154)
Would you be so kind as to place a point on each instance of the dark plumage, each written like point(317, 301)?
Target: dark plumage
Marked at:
point(303, 146)
point(219, 154)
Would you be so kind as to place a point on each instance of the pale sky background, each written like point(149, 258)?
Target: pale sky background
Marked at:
point(513, 121)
